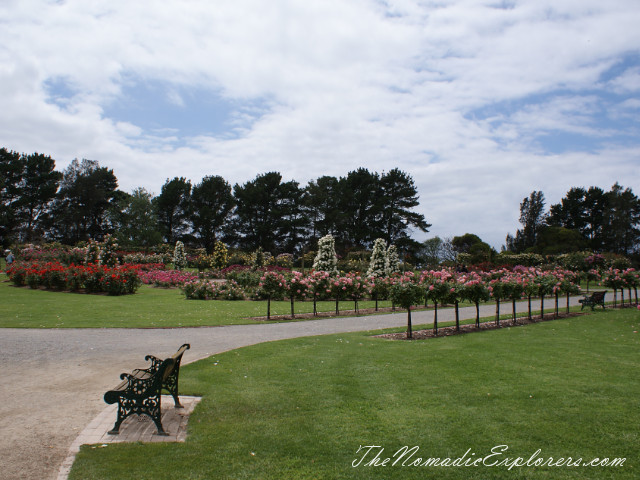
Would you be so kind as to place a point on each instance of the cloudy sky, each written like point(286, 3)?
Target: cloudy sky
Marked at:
point(480, 101)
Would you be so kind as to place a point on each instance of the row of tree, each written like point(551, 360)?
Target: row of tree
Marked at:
point(584, 219)
point(83, 202)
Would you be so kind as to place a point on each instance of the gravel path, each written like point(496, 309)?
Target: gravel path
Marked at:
point(54, 380)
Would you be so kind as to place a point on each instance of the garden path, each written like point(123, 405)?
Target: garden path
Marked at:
point(53, 380)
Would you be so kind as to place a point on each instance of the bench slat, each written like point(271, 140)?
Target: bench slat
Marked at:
point(140, 391)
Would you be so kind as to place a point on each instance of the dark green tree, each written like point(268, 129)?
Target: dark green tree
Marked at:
point(135, 220)
point(570, 212)
point(11, 174)
point(463, 243)
point(38, 188)
point(87, 193)
point(532, 218)
point(321, 202)
point(595, 205)
point(360, 205)
point(398, 196)
point(621, 221)
point(581, 210)
point(173, 208)
point(558, 240)
point(294, 221)
point(607, 221)
point(266, 213)
point(473, 246)
point(212, 203)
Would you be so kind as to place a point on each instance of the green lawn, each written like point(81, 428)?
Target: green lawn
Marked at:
point(300, 409)
point(149, 307)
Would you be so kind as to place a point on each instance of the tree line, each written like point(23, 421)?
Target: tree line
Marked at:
point(38, 203)
point(585, 219)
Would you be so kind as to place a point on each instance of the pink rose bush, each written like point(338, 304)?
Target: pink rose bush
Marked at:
point(166, 278)
point(212, 290)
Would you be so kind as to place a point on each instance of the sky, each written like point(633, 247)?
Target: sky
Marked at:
point(480, 101)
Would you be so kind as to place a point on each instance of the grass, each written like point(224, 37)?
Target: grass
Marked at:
point(150, 307)
point(300, 409)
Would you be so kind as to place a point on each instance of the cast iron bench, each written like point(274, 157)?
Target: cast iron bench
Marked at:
point(596, 298)
point(140, 391)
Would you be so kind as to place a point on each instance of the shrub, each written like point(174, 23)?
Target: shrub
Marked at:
point(93, 278)
point(219, 256)
point(179, 256)
point(378, 259)
point(166, 278)
point(211, 290)
point(326, 260)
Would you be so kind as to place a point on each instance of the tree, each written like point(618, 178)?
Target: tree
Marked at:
point(399, 196)
point(38, 188)
point(81, 209)
point(474, 249)
point(621, 221)
point(430, 254)
point(321, 201)
point(607, 221)
point(583, 211)
point(294, 222)
point(267, 213)
point(406, 293)
point(360, 204)
point(135, 220)
point(558, 240)
point(173, 207)
point(11, 177)
point(532, 218)
point(463, 244)
point(570, 212)
point(28, 184)
point(594, 207)
point(212, 203)
point(448, 251)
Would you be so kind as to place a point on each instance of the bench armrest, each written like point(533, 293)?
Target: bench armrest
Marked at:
point(155, 363)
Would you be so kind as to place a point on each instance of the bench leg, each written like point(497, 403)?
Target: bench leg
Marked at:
point(153, 409)
point(116, 428)
point(161, 430)
point(176, 401)
point(123, 413)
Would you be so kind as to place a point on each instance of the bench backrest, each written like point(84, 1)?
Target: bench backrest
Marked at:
point(166, 369)
point(598, 296)
point(178, 355)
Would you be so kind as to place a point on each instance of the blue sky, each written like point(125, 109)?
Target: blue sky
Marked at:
point(481, 101)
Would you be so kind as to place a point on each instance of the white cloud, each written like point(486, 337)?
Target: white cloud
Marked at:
point(340, 85)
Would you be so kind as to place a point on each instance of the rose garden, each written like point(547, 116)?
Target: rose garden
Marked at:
point(304, 407)
point(100, 267)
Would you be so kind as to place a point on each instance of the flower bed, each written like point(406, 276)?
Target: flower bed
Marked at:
point(92, 278)
point(166, 278)
point(212, 290)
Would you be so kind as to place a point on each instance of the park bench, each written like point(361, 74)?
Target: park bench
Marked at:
point(140, 391)
point(596, 298)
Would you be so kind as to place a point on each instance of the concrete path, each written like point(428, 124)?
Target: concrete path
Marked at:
point(53, 380)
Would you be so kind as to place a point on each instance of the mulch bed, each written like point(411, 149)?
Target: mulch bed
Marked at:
point(490, 325)
point(332, 314)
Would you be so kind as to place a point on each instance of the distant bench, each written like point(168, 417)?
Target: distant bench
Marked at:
point(140, 391)
point(596, 298)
